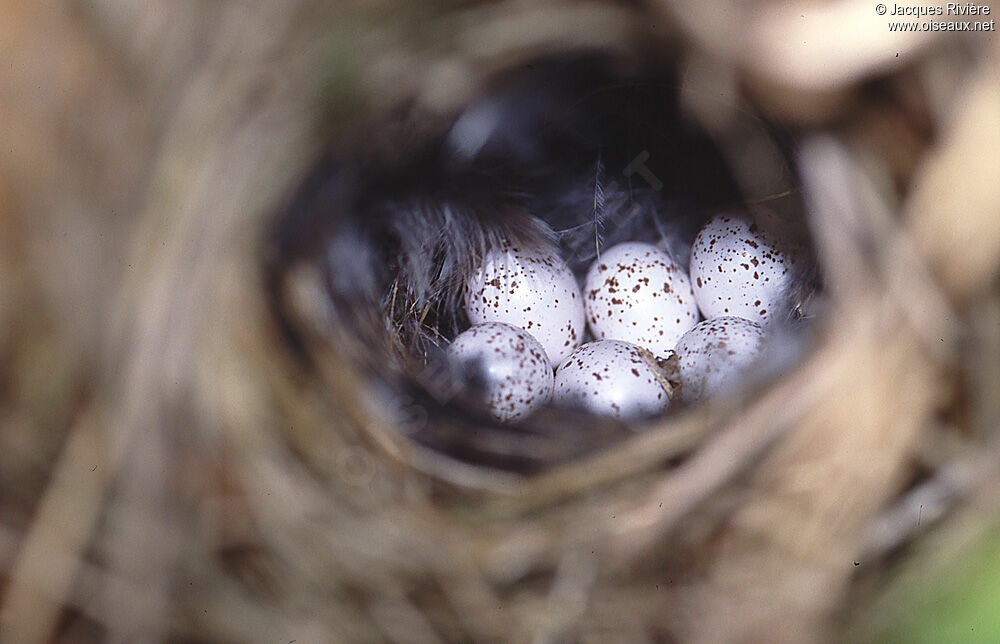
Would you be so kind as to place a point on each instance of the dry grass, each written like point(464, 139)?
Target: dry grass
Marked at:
point(169, 471)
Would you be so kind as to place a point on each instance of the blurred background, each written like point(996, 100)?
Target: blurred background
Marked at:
point(190, 452)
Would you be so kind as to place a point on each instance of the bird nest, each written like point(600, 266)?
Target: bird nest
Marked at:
point(228, 426)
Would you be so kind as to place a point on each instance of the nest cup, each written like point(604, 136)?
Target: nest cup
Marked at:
point(323, 481)
point(565, 151)
point(823, 439)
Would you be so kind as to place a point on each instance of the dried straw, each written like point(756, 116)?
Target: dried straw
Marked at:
point(171, 471)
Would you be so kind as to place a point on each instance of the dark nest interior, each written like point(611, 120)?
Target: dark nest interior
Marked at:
point(234, 240)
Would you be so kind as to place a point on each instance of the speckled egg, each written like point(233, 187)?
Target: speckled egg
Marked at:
point(612, 378)
point(506, 365)
point(531, 288)
point(637, 293)
point(738, 269)
point(713, 356)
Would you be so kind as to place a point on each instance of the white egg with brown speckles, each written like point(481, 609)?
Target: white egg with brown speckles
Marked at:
point(637, 293)
point(531, 288)
point(506, 365)
point(714, 355)
point(739, 269)
point(612, 378)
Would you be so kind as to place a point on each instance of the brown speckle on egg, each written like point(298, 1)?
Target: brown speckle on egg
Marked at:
point(511, 368)
point(614, 378)
point(762, 283)
point(529, 288)
point(627, 297)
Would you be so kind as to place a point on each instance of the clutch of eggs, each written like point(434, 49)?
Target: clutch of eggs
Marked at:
point(639, 304)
